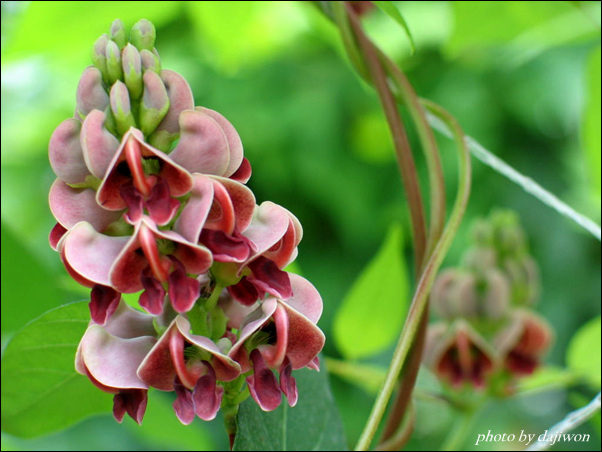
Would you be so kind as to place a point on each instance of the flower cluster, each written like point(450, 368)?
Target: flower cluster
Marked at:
point(488, 328)
point(150, 198)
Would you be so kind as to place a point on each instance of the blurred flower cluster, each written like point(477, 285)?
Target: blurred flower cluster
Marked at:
point(489, 334)
point(150, 198)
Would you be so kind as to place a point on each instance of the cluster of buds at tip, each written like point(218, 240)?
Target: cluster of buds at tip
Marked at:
point(488, 331)
point(150, 199)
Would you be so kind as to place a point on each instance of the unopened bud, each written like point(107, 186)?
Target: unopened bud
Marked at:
point(118, 34)
point(91, 94)
point(132, 71)
point(150, 61)
point(114, 62)
point(121, 108)
point(482, 232)
point(523, 274)
point(454, 294)
point(143, 35)
point(154, 104)
point(480, 258)
point(496, 298)
point(99, 56)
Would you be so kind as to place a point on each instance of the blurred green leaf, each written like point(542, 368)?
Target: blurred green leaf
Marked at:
point(371, 139)
point(372, 313)
point(391, 10)
point(41, 392)
point(29, 287)
point(312, 424)
point(67, 28)
point(583, 354)
point(162, 428)
point(592, 120)
point(545, 379)
point(370, 377)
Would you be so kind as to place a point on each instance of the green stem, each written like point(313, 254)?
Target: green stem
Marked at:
point(460, 430)
point(211, 302)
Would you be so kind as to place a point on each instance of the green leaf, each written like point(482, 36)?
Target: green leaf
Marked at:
point(583, 354)
point(545, 379)
point(41, 392)
point(391, 10)
point(313, 424)
point(372, 313)
point(591, 121)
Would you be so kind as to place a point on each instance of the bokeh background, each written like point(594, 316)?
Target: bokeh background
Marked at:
point(521, 77)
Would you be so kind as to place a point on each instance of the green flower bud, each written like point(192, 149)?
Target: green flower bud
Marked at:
point(99, 58)
point(154, 104)
point(118, 34)
point(143, 35)
point(114, 62)
point(150, 61)
point(132, 70)
point(121, 107)
point(524, 278)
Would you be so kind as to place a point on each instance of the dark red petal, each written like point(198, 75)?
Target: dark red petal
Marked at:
point(288, 385)
point(207, 395)
point(103, 303)
point(225, 248)
point(57, 232)
point(161, 206)
point(183, 405)
point(263, 385)
point(133, 200)
point(132, 401)
point(153, 296)
point(267, 277)
point(244, 292)
point(183, 290)
point(243, 173)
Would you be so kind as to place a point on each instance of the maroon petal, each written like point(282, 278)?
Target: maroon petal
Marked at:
point(132, 401)
point(134, 202)
point(305, 339)
point(243, 173)
point(65, 152)
point(242, 200)
point(153, 296)
point(225, 248)
point(103, 303)
point(157, 369)
point(56, 234)
point(161, 206)
point(275, 354)
point(263, 385)
point(207, 395)
point(244, 292)
point(183, 405)
point(288, 385)
point(267, 277)
point(183, 290)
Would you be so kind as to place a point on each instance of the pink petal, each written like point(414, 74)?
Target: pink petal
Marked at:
point(183, 405)
point(197, 259)
point(91, 254)
point(203, 147)
point(263, 385)
point(113, 360)
point(65, 152)
point(306, 299)
point(72, 205)
point(98, 144)
point(207, 396)
point(91, 94)
point(288, 385)
point(284, 251)
point(274, 355)
point(157, 369)
point(180, 99)
point(242, 200)
point(194, 214)
point(132, 401)
point(250, 325)
point(270, 223)
point(104, 302)
point(129, 323)
point(126, 271)
point(305, 339)
point(234, 141)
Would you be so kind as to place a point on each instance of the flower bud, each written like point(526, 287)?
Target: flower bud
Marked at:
point(454, 294)
point(132, 70)
point(154, 104)
point(91, 94)
point(121, 108)
point(118, 34)
point(114, 62)
point(480, 258)
point(150, 61)
point(524, 278)
point(99, 56)
point(143, 35)
point(496, 297)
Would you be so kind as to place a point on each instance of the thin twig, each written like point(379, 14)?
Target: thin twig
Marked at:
point(528, 184)
point(572, 420)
